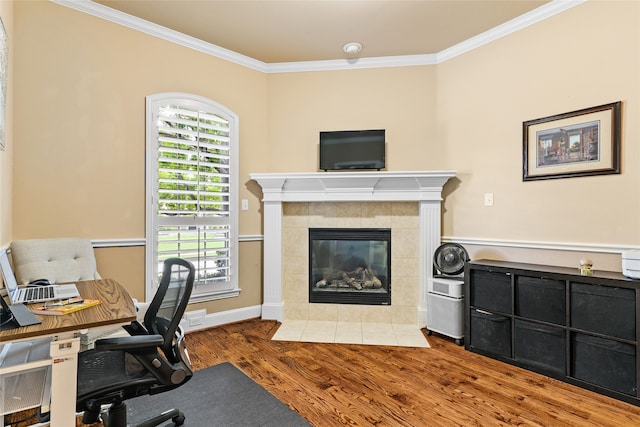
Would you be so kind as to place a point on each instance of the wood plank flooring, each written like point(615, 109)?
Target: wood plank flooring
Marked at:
point(358, 385)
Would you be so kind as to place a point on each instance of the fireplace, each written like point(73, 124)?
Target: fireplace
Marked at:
point(350, 266)
point(344, 199)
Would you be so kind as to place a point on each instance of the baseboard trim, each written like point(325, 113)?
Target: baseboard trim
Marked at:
point(224, 317)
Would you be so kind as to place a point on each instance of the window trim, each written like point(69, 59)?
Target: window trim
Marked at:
point(151, 163)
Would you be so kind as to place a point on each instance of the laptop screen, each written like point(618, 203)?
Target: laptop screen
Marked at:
point(8, 277)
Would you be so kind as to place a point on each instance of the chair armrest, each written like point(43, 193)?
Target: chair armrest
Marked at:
point(136, 328)
point(141, 308)
point(138, 342)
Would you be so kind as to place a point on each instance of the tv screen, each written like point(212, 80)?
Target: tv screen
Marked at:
point(352, 149)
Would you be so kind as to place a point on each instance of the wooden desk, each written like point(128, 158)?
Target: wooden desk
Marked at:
point(117, 308)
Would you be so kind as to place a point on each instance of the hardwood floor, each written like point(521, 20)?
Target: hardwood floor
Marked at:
point(357, 385)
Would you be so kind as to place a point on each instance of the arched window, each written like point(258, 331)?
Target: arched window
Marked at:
point(192, 186)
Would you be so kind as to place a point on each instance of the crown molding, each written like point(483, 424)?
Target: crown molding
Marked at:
point(539, 14)
point(352, 64)
point(155, 30)
point(98, 10)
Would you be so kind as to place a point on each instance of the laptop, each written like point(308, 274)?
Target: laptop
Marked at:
point(19, 313)
point(33, 294)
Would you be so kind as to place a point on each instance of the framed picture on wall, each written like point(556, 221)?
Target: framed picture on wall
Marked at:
point(580, 143)
point(3, 85)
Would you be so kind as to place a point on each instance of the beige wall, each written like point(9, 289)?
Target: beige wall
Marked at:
point(80, 135)
point(6, 156)
point(466, 114)
point(126, 265)
point(584, 57)
point(400, 100)
point(78, 139)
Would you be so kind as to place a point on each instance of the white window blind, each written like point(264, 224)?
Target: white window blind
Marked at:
point(192, 200)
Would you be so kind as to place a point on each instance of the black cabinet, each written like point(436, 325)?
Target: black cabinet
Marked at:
point(490, 332)
point(541, 346)
point(579, 329)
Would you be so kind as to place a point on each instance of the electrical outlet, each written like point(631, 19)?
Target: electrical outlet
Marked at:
point(195, 318)
point(488, 199)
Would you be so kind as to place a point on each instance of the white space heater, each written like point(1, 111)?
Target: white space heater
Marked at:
point(445, 292)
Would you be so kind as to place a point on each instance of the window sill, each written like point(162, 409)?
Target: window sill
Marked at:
point(214, 295)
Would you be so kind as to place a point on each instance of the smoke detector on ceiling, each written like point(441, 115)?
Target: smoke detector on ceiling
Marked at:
point(352, 48)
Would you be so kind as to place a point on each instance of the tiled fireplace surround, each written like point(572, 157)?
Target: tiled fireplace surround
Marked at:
point(409, 203)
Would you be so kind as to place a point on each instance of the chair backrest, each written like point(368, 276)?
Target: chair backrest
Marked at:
point(57, 260)
point(169, 303)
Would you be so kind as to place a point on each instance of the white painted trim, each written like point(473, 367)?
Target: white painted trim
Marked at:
point(555, 246)
point(277, 188)
point(272, 261)
point(430, 219)
point(117, 243)
point(155, 30)
point(352, 186)
point(213, 296)
point(141, 241)
point(100, 11)
point(536, 15)
point(224, 317)
point(352, 64)
point(153, 103)
point(251, 237)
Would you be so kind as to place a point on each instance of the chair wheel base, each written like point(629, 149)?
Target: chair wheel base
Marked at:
point(179, 420)
point(174, 415)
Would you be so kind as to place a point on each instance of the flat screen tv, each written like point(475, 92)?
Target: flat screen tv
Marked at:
point(352, 149)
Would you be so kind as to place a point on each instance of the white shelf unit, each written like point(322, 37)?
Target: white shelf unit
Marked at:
point(25, 376)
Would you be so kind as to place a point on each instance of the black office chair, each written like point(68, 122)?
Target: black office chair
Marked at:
point(152, 360)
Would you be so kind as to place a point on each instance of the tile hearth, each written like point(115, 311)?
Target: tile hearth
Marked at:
point(322, 331)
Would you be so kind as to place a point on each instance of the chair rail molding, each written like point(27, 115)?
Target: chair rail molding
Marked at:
point(556, 246)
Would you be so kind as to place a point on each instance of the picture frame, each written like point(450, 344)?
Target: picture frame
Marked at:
point(580, 143)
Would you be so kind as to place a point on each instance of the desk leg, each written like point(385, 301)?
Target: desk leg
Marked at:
point(64, 375)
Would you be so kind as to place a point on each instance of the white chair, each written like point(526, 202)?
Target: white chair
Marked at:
point(60, 260)
point(57, 260)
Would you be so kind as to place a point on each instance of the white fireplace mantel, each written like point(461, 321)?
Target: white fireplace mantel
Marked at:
point(277, 188)
point(352, 186)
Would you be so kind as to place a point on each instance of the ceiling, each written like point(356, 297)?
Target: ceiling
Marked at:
point(274, 31)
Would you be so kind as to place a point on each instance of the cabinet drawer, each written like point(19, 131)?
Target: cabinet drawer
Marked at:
point(604, 309)
point(604, 362)
point(491, 291)
point(541, 299)
point(541, 346)
point(490, 332)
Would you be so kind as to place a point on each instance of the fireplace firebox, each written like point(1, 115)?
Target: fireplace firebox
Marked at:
point(350, 266)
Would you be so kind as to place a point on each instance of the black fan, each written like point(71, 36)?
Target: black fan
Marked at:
point(449, 259)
